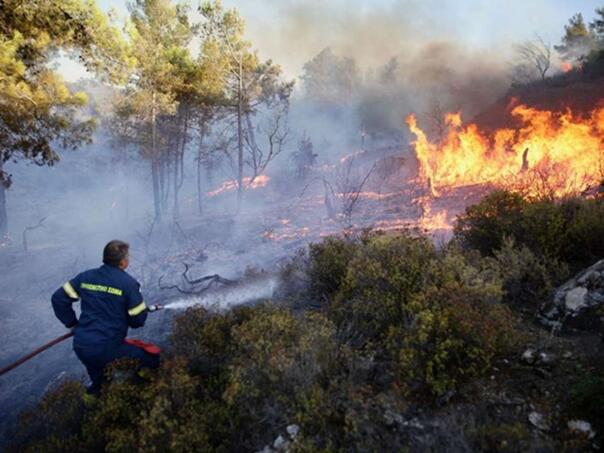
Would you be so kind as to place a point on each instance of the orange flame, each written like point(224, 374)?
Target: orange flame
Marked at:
point(549, 155)
point(259, 181)
point(565, 66)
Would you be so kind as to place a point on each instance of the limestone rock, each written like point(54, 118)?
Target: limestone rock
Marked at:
point(528, 356)
point(583, 427)
point(576, 299)
point(280, 443)
point(575, 304)
point(538, 421)
point(293, 431)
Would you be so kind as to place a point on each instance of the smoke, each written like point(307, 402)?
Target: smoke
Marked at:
point(440, 76)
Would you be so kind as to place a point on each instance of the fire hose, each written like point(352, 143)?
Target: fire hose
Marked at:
point(50, 344)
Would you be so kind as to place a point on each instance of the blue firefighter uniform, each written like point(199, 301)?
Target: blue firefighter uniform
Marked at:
point(111, 303)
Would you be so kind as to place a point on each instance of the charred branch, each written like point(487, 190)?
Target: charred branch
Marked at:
point(196, 286)
point(40, 224)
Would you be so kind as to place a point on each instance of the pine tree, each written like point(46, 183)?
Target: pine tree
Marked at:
point(578, 41)
point(37, 109)
point(248, 82)
point(159, 34)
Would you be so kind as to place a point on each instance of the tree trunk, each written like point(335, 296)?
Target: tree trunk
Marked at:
point(3, 213)
point(155, 164)
point(162, 184)
point(156, 190)
point(240, 137)
point(179, 168)
point(199, 168)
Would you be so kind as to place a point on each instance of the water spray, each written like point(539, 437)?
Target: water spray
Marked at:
point(229, 296)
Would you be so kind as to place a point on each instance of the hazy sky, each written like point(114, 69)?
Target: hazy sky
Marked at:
point(293, 31)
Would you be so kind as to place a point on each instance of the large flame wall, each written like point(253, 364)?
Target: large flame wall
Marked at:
point(550, 152)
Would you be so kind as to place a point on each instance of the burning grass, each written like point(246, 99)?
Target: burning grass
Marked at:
point(550, 154)
point(248, 183)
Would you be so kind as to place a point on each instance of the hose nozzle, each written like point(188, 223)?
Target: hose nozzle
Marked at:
point(155, 307)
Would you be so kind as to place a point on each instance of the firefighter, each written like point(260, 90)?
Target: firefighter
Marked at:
point(111, 302)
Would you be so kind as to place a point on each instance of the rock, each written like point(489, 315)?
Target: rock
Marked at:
point(576, 304)
point(575, 299)
point(589, 278)
point(266, 449)
point(280, 443)
point(581, 426)
point(293, 431)
point(392, 418)
point(538, 421)
point(413, 423)
point(528, 356)
point(547, 359)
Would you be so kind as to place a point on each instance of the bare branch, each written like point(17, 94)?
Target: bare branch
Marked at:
point(533, 56)
point(30, 228)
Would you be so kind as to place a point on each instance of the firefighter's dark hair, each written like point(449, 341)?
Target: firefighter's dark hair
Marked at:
point(115, 251)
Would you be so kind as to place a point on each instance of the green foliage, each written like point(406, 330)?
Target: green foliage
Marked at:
point(578, 40)
point(458, 328)
point(527, 280)
point(570, 231)
point(437, 314)
point(399, 321)
point(329, 261)
point(38, 113)
point(53, 425)
point(587, 398)
point(331, 79)
point(501, 438)
point(383, 274)
point(483, 226)
point(456, 335)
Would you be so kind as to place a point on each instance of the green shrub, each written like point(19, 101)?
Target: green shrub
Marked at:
point(167, 414)
point(587, 398)
point(528, 281)
point(204, 337)
point(458, 328)
point(569, 231)
point(328, 266)
point(503, 438)
point(484, 225)
point(279, 357)
point(585, 236)
point(54, 424)
point(382, 275)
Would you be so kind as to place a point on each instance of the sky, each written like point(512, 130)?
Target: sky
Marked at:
point(291, 32)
